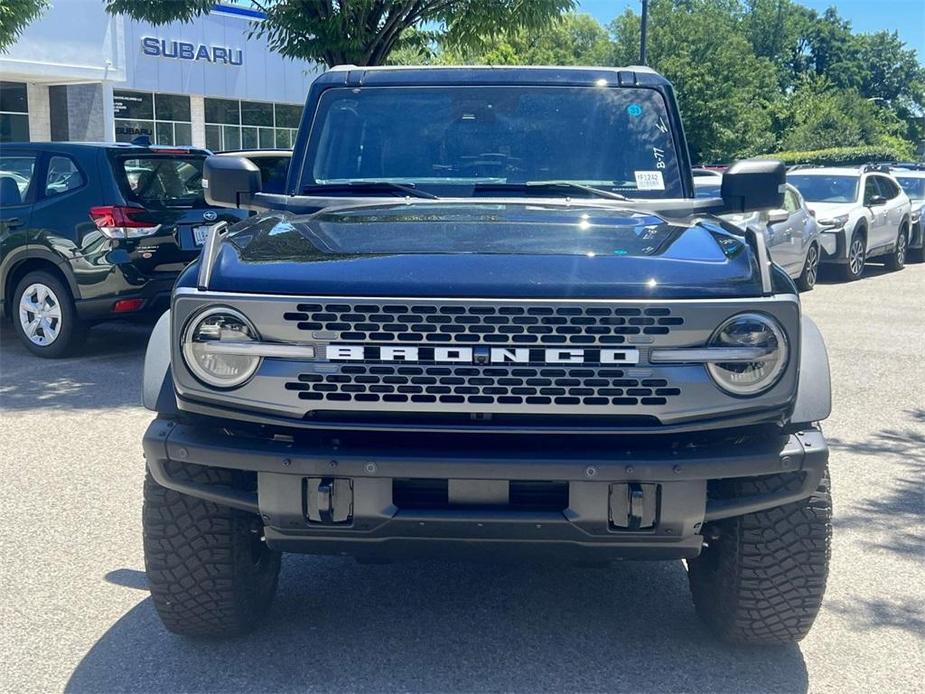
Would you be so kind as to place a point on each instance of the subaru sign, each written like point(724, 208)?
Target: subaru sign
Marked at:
point(182, 50)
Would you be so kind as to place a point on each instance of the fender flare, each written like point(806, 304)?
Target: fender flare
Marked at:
point(814, 394)
point(33, 251)
point(157, 389)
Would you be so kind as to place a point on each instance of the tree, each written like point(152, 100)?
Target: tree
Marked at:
point(363, 32)
point(834, 51)
point(726, 93)
point(15, 15)
point(778, 30)
point(572, 39)
point(821, 116)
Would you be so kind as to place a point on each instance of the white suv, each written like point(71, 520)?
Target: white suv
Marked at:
point(913, 185)
point(862, 213)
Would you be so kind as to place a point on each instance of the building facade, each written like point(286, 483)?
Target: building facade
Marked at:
point(79, 74)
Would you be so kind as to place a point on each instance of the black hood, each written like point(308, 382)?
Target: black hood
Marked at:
point(481, 249)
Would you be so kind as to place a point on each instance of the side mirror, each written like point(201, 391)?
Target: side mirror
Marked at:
point(753, 185)
point(876, 200)
point(230, 181)
point(778, 216)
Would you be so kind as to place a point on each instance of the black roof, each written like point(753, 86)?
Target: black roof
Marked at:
point(630, 76)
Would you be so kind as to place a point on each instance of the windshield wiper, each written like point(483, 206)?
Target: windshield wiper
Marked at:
point(540, 185)
point(369, 186)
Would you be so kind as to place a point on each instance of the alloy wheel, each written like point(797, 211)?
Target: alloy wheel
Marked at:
point(901, 250)
point(812, 266)
point(856, 256)
point(40, 314)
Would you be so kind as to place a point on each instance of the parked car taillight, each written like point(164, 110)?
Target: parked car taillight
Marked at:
point(118, 222)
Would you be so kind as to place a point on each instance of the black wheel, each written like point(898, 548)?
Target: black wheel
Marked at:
point(209, 570)
point(44, 316)
point(897, 259)
point(762, 579)
point(807, 279)
point(857, 257)
point(917, 254)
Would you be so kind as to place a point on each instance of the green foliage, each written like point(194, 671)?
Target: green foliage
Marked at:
point(818, 115)
point(842, 156)
point(572, 39)
point(725, 91)
point(363, 32)
point(15, 15)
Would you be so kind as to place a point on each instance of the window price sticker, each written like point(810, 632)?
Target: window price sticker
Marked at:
point(649, 180)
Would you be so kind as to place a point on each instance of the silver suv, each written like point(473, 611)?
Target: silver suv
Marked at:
point(790, 232)
point(862, 213)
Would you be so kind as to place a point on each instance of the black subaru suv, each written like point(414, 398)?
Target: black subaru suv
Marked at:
point(488, 317)
point(90, 232)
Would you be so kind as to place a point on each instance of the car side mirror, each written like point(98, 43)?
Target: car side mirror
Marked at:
point(777, 216)
point(753, 185)
point(230, 181)
point(876, 200)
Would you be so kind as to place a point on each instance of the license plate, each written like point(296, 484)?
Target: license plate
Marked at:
point(201, 233)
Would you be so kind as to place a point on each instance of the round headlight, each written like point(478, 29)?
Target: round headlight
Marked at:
point(209, 344)
point(758, 375)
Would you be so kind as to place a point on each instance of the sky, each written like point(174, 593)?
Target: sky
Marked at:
point(905, 16)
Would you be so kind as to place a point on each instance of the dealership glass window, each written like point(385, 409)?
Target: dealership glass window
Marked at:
point(165, 118)
point(250, 124)
point(14, 112)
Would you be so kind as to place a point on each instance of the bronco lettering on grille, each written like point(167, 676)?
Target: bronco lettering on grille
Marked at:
point(481, 355)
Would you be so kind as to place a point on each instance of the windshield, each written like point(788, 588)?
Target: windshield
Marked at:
point(818, 188)
point(165, 181)
point(913, 186)
point(453, 138)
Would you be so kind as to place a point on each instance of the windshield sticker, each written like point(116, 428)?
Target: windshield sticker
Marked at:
point(659, 155)
point(635, 110)
point(649, 180)
point(661, 126)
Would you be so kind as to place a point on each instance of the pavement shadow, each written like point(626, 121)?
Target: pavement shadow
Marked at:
point(831, 274)
point(434, 626)
point(106, 373)
point(903, 502)
point(865, 614)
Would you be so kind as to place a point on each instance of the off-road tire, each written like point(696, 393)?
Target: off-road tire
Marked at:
point(807, 279)
point(897, 259)
point(71, 332)
point(762, 579)
point(209, 572)
point(848, 272)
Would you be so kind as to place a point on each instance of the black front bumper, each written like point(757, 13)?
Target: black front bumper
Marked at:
point(598, 482)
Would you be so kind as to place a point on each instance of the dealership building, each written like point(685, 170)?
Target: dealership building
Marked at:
point(79, 74)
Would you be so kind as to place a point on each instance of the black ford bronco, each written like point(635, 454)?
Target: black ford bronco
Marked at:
point(488, 317)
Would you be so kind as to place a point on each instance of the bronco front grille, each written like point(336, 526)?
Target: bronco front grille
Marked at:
point(590, 385)
point(457, 323)
point(569, 363)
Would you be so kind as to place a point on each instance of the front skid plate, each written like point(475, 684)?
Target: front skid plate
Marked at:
point(583, 530)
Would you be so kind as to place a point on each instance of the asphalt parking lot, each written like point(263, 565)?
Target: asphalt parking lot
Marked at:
point(75, 613)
